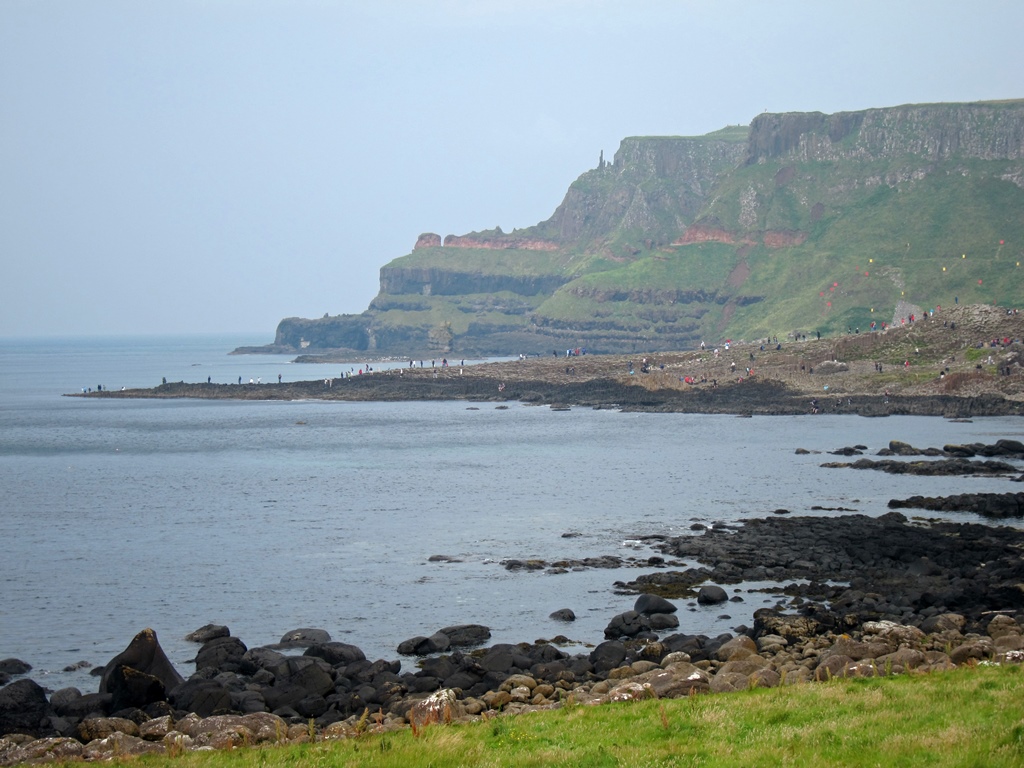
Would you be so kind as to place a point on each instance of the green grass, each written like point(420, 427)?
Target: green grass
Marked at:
point(967, 717)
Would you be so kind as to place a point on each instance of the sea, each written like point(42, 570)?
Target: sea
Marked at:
point(376, 522)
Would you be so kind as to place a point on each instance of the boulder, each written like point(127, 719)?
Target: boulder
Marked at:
point(207, 633)
point(223, 653)
point(662, 621)
point(102, 727)
point(133, 689)
point(119, 745)
point(711, 594)
point(335, 653)
point(303, 638)
point(15, 666)
point(60, 749)
point(648, 604)
point(439, 707)
point(145, 655)
point(203, 697)
point(608, 655)
point(23, 708)
point(628, 624)
point(466, 635)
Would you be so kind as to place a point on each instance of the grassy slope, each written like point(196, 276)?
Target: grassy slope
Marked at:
point(967, 717)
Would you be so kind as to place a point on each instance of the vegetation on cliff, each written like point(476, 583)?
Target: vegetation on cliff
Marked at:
point(797, 223)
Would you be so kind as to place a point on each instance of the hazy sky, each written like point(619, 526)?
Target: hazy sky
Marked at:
point(217, 165)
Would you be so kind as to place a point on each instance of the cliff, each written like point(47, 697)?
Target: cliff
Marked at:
point(797, 223)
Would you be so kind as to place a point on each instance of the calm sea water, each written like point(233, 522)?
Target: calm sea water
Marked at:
point(121, 515)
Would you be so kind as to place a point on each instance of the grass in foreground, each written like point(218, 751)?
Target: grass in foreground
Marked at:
point(968, 717)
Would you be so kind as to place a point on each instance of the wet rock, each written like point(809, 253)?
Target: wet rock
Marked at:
point(15, 667)
point(303, 638)
point(335, 653)
point(24, 709)
point(711, 594)
point(207, 633)
point(648, 604)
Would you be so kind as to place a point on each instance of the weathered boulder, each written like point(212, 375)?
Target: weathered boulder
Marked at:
point(439, 707)
point(335, 653)
point(208, 632)
point(628, 624)
point(303, 638)
point(102, 727)
point(466, 635)
point(711, 594)
point(203, 697)
point(69, 702)
point(55, 749)
point(23, 708)
point(15, 666)
point(131, 688)
point(223, 653)
point(143, 654)
point(608, 655)
point(648, 604)
point(119, 745)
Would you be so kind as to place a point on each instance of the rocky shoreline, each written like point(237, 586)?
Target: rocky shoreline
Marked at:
point(966, 364)
point(858, 596)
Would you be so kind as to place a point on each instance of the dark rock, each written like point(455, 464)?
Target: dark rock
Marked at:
point(15, 666)
point(661, 621)
point(628, 624)
point(131, 688)
point(303, 638)
point(223, 653)
point(204, 697)
point(608, 655)
point(711, 594)
point(335, 653)
point(466, 635)
point(207, 633)
point(145, 655)
point(24, 709)
point(648, 604)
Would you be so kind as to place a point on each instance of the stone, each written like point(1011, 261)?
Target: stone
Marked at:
point(119, 745)
point(145, 655)
point(335, 653)
point(207, 633)
point(23, 708)
point(711, 594)
point(304, 637)
point(628, 624)
point(648, 604)
point(662, 621)
point(58, 749)
point(132, 688)
point(15, 666)
point(102, 727)
point(203, 697)
point(608, 655)
point(466, 635)
point(223, 653)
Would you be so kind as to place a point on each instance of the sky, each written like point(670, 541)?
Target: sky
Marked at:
point(213, 166)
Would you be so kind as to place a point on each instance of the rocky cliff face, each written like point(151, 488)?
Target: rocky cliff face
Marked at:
point(800, 221)
point(931, 132)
